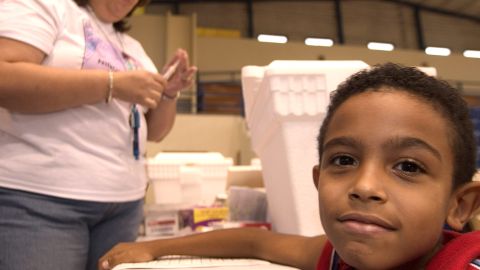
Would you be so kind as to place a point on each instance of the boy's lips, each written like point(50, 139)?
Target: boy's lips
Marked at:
point(365, 223)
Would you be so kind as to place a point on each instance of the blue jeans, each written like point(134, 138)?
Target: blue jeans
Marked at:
point(43, 232)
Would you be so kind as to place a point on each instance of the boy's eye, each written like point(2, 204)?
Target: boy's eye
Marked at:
point(409, 167)
point(343, 160)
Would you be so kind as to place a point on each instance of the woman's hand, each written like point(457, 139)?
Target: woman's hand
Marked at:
point(141, 87)
point(146, 88)
point(126, 252)
point(183, 76)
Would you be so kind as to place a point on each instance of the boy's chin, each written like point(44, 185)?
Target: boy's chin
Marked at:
point(372, 262)
point(380, 261)
point(363, 257)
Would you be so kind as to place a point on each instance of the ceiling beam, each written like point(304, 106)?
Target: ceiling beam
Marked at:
point(437, 10)
point(339, 21)
point(422, 7)
point(419, 28)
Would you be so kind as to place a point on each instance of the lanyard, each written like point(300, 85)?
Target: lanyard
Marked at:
point(135, 125)
point(134, 113)
point(129, 64)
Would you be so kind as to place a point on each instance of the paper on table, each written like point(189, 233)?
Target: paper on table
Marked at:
point(188, 262)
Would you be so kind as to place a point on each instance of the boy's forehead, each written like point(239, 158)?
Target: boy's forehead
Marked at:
point(385, 91)
point(363, 102)
point(386, 109)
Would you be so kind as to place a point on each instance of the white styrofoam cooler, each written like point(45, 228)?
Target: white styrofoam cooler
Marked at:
point(188, 178)
point(285, 103)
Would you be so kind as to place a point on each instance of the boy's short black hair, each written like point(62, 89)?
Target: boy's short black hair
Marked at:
point(444, 98)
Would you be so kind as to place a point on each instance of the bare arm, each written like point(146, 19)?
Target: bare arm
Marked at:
point(28, 87)
point(297, 251)
point(161, 119)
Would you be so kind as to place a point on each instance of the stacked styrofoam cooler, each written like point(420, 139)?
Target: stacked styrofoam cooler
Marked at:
point(188, 178)
point(285, 103)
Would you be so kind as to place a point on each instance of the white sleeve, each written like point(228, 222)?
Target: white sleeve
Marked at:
point(35, 22)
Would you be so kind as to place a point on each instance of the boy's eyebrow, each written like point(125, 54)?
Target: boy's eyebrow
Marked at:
point(412, 142)
point(398, 142)
point(345, 141)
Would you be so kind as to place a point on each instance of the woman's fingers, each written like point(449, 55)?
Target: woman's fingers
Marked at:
point(140, 87)
point(190, 73)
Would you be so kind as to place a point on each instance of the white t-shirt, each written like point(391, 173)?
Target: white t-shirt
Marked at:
point(82, 153)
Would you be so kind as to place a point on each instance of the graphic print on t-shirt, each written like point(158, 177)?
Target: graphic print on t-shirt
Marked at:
point(101, 54)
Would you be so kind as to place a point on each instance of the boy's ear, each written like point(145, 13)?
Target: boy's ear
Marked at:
point(464, 202)
point(315, 175)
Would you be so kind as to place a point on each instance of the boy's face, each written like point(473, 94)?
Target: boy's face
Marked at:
point(385, 180)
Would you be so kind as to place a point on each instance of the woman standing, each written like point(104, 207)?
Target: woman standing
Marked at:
point(78, 100)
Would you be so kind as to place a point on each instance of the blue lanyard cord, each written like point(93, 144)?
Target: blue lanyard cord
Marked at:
point(134, 114)
point(129, 64)
point(135, 124)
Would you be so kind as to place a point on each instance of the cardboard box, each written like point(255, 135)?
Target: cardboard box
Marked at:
point(196, 218)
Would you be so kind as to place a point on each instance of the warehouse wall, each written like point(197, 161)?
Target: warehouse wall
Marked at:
point(363, 21)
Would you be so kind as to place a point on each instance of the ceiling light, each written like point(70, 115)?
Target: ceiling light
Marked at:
point(437, 51)
point(380, 46)
point(272, 38)
point(471, 54)
point(324, 42)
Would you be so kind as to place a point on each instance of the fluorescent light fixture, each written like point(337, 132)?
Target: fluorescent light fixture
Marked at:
point(380, 46)
point(437, 51)
point(471, 54)
point(324, 42)
point(272, 38)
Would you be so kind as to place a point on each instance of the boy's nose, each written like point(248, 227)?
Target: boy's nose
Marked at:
point(368, 186)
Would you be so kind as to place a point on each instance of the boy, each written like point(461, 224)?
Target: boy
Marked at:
point(396, 159)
